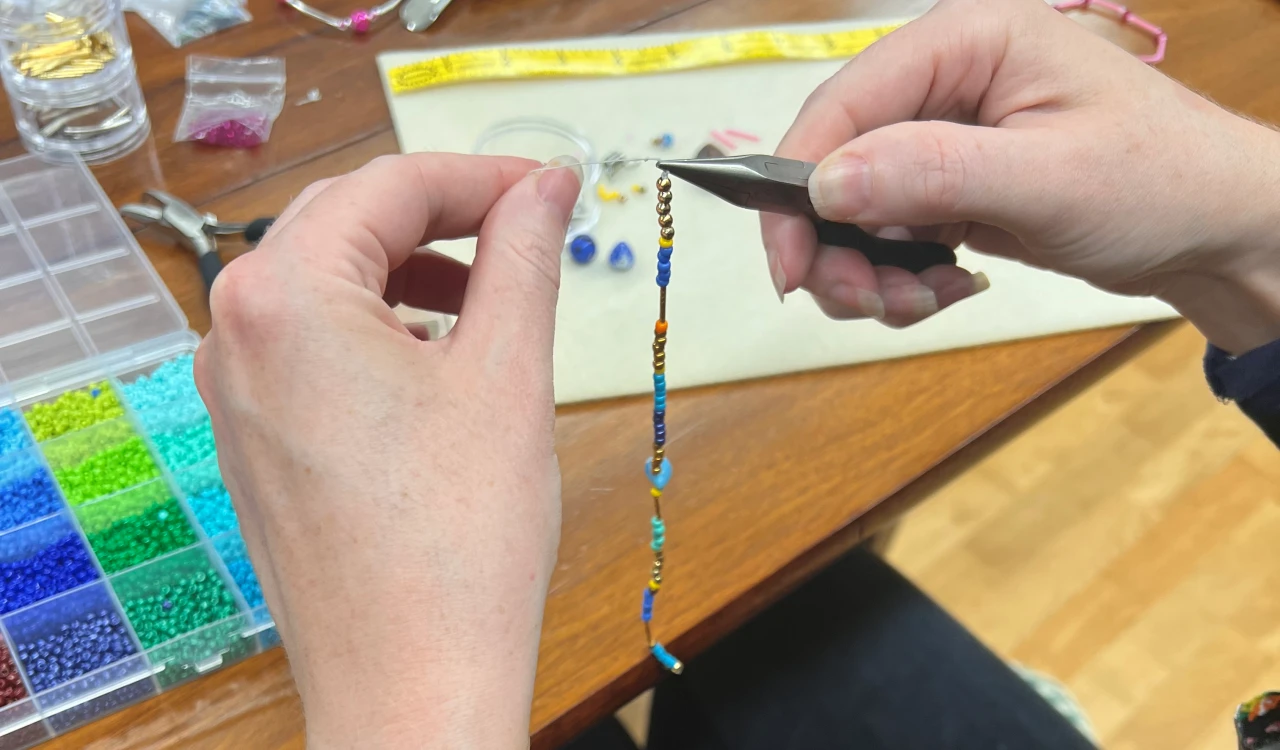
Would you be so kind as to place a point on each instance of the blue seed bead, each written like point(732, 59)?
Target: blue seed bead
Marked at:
point(27, 491)
point(663, 280)
point(660, 379)
point(583, 248)
point(172, 382)
point(57, 643)
point(621, 257)
point(39, 561)
point(664, 254)
point(665, 659)
point(232, 551)
point(13, 436)
point(659, 416)
point(646, 606)
point(659, 526)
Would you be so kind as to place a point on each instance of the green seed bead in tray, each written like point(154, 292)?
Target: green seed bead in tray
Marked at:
point(108, 401)
point(189, 655)
point(100, 460)
point(74, 410)
point(173, 596)
point(135, 525)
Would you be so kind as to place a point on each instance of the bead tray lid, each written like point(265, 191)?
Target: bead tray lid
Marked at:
point(74, 284)
point(123, 572)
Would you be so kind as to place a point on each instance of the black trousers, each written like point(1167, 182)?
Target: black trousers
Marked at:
point(856, 658)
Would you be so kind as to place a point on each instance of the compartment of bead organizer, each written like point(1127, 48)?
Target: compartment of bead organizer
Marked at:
point(105, 446)
point(135, 525)
point(27, 489)
point(42, 559)
point(99, 460)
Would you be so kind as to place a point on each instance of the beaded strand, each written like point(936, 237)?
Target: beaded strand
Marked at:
point(658, 468)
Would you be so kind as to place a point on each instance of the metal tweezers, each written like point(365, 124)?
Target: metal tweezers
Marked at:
point(781, 186)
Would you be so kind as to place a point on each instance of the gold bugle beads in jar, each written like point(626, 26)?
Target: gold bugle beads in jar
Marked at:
point(84, 55)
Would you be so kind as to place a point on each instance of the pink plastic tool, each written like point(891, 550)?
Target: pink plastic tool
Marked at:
point(1128, 17)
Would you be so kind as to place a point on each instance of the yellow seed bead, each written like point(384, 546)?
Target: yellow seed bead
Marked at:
point(655, 492)
point(654, 585)
point(664, 242)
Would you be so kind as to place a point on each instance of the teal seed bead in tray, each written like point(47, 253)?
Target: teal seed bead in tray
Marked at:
point(208, 498)
point(171, 383)
point(231, 549)
point(173, 596)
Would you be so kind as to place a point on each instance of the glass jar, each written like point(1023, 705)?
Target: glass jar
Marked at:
point(68, 68)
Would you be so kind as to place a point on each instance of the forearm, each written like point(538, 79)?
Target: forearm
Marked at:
point(1233, 294)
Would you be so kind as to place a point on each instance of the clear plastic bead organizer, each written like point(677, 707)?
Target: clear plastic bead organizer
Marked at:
point(122, 568)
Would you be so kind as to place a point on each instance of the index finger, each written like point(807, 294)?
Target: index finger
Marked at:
point(369, 222)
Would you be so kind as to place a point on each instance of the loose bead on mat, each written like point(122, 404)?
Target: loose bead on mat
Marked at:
point(621, 257)
point(582, 249)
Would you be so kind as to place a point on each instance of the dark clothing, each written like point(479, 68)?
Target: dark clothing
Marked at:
point(856, 658)
point(1252, 381)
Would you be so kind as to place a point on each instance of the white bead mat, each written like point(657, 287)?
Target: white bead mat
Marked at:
point(726, 322)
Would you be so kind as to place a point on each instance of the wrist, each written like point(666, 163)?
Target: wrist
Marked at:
point(1231, 293)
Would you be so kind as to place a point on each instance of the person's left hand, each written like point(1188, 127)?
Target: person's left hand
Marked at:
point(399, 497)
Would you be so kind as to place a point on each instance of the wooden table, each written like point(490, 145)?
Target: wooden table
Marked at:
point(777, 477)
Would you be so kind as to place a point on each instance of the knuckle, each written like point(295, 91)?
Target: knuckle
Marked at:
point(942, 171)
point(242, 296)
point(537, 254)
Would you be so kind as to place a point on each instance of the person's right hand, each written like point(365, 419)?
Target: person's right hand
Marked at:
point(1007, 126)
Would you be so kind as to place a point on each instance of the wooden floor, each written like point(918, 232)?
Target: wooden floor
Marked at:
point(1128, 545)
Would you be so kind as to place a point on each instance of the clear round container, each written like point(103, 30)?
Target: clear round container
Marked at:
point(543, 140)
point(69, 71)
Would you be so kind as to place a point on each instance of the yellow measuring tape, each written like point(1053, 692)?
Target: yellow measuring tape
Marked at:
point(702, 52)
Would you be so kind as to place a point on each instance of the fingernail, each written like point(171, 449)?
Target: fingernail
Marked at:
point(923, 301)
point(840, 186)
point(980, 282)
point(778, 275)
point(561, 187)
point(863, 300)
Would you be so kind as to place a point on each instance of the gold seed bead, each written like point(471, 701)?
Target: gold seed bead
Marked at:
point(668, 233)
point(660, 341)
point(664, 197)
point(664, 209)
point(658, 452)
point(664, 183)
point(665, 220)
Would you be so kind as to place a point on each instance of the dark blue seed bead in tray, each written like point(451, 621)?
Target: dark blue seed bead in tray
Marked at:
point(69, 636)
point(40, 560)
point(27, 490)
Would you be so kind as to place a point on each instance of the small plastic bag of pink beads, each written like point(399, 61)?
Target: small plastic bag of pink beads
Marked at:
point(231, 102)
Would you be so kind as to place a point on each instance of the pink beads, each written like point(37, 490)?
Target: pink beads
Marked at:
point(360, 21)
point(233, 134)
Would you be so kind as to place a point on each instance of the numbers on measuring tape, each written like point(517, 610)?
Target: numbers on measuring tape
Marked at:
point(702, 52)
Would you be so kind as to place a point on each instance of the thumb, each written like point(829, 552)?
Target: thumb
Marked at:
point(510, 303)
point(925, 173)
